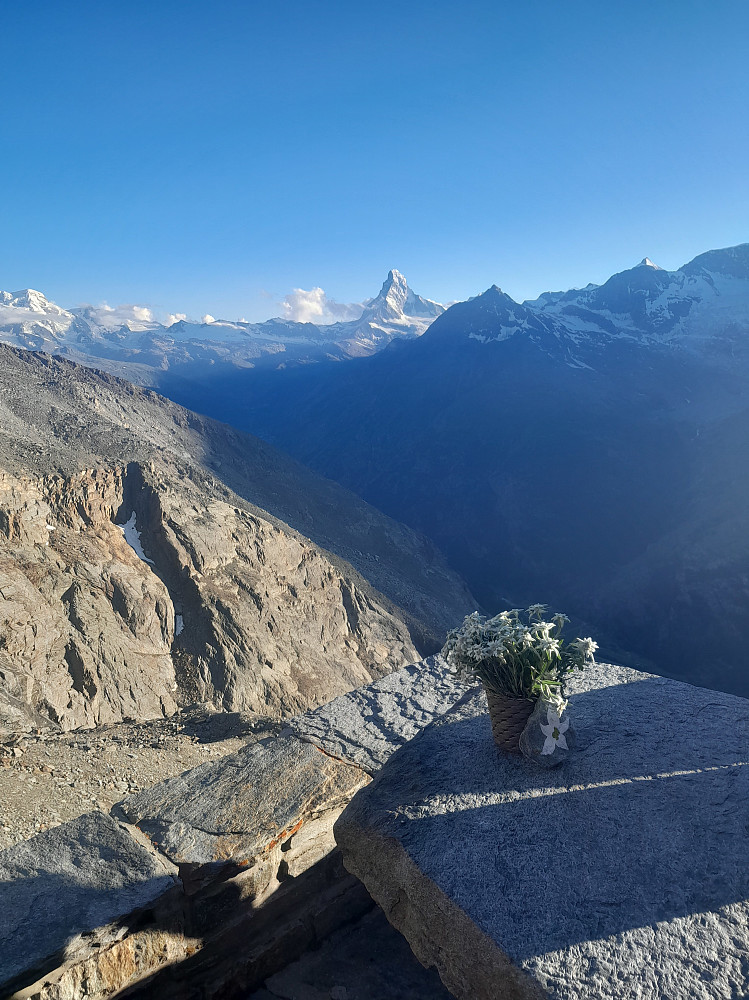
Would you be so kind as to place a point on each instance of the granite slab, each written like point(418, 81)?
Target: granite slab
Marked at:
point(624, 873)
point(71, 888)
point(368, 724)
point(243, 805)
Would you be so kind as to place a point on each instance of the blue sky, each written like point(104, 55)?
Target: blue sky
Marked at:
point(209, 157)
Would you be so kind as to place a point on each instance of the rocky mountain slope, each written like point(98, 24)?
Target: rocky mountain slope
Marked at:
point(130, 343)
point(585, 449)
point(140, 569)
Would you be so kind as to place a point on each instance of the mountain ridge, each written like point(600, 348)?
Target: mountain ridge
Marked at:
point(153, 558)
point(105, 337)
point(581, 451)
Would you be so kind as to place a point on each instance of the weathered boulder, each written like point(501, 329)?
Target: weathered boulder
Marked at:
point(621, 874)
point(72, 890)
point(244, 805)
point(251, 834)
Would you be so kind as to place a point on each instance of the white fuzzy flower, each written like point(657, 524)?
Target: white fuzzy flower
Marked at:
point(558, 703)
point(554, 731)
point(586, 646)
point(545, 644)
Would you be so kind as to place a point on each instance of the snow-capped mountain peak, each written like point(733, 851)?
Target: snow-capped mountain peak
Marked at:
point(702, 307)
point(393, 295)
point(28, 319)
point(397, 302)
point(394, 280)
point(131, 333)
point(31, 299)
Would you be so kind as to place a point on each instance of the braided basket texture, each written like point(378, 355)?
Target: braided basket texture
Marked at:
point(508, 718)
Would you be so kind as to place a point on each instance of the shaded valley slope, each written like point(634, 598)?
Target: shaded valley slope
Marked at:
point(587, 449)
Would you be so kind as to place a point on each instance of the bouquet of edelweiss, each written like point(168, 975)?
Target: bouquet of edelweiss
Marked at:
point(521, 659)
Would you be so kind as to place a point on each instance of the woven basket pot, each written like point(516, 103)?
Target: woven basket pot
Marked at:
point(508, 718)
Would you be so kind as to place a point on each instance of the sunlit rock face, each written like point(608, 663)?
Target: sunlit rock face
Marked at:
point(134, 579)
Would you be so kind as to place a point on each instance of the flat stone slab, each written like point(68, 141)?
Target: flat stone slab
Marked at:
point(369, 724)
point(244, 804)
point(622, 874)
point(67, 887)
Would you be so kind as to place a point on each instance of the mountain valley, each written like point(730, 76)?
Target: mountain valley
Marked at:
point(586, 449)
point(583, 449)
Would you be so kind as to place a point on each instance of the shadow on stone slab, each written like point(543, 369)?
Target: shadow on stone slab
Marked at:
point(245, 939)
point(368, 960)
point(81, 884)
point(656, 727)
point(558, 877)
point(646, 825)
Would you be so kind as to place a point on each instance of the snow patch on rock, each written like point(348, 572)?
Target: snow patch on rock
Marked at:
point(132, 537)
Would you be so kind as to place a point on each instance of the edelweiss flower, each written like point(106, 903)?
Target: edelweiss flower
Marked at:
point(554, 731)
point(586, 646)
point(547, 645)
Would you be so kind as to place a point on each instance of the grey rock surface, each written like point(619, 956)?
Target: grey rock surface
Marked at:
point(245, 803)
point(365, 961)
point(623, 874)
point(368, 724)
point(69, 887)
point(602, 675)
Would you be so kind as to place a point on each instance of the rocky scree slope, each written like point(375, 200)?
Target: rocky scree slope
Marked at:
point(139, 571)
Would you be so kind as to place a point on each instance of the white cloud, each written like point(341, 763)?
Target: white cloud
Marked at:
point(173, 318)
point(114, 317)
point(314, 306)
point(208, 318)
point(17, 314)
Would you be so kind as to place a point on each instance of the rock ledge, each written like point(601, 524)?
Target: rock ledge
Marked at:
point(621, 874)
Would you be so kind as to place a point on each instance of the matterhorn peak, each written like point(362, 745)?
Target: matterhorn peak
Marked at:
point(647, 262)
point(397, 301)
point(394, 283)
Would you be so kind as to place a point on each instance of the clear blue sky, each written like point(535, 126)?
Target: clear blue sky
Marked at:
point(210, 156)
